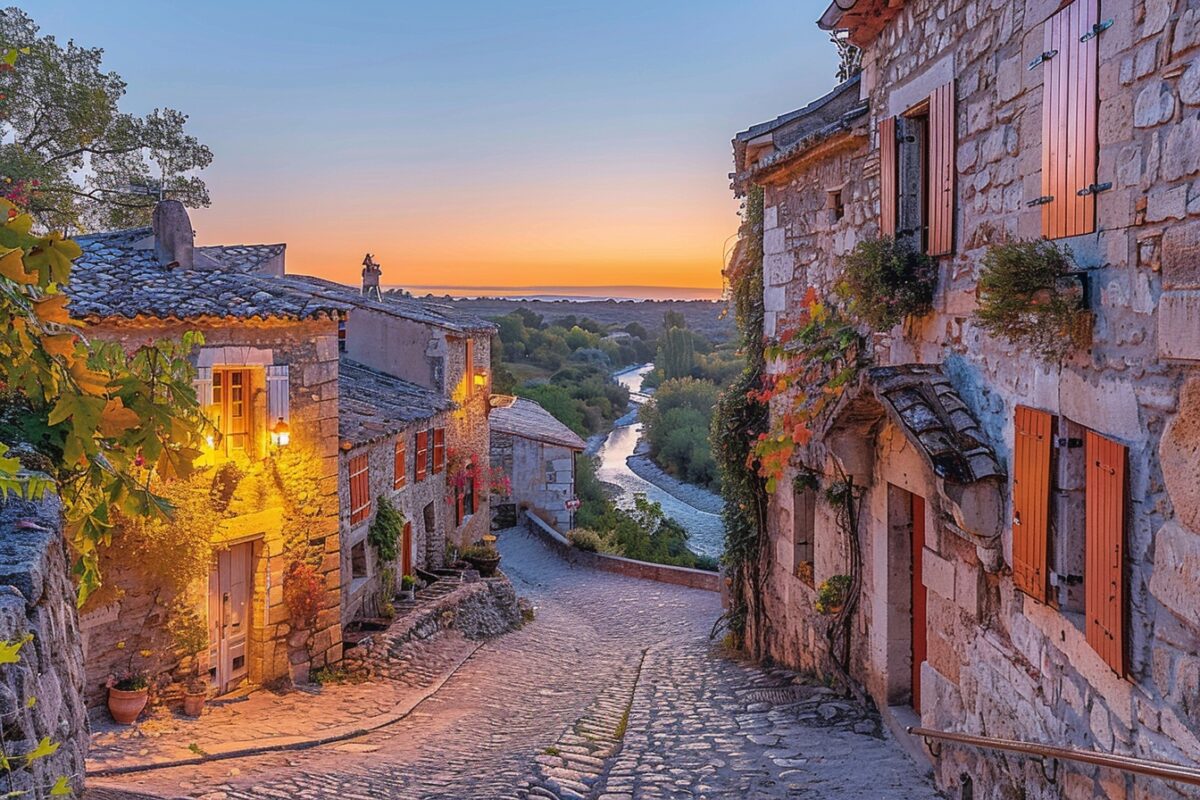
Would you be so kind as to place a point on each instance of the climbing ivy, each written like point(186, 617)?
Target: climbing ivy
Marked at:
point(386, 529)
point(740, 418)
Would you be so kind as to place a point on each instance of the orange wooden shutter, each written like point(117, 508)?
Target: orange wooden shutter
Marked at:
point(360, 489)
point(1104, 576)
point(439, 450)
point(1069, 109)
point(941, 170)
point(422, 454)
point(458, 506)
point(887, 176)
point(1032, 442)
point(401, 463)
point(406, 564)
point(469, 366)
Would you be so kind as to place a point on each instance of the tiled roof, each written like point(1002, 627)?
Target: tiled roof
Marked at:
point(373, 405)
point(241, 256)
point(798, 131)
point(118, 275)
point(927, 408)
point(520, 416)
point(438, 314)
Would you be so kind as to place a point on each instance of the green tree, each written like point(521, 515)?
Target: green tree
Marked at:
point(559, 403)
point(674, 319)
point(70, 153)
point(676, 353)
point(676, 425)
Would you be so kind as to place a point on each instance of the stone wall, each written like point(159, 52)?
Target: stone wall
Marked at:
point(478, 610)
point(41, 696)
point(361, 595)
point(132, 613)
point(998, 662)
point(469, 433)
point(541, 476)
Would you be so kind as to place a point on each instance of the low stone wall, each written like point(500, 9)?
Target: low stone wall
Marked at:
point(663, 573)
point(41, 696)
point(478, 610)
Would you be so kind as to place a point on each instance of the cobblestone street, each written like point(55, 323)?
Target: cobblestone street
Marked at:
point(615, 692)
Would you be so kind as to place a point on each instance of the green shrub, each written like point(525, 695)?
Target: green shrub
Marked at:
point(1028, 296)
point(832, 593)
point(584, 539)
point(886, 281)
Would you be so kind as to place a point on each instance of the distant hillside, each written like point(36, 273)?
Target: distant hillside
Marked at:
point(703, 316)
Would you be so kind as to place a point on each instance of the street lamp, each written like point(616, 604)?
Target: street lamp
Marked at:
point(281, 434)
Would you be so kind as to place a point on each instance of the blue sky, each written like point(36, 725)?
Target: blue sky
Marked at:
point(525, 143)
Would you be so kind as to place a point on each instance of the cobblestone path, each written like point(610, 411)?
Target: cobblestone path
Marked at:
point(614, 692)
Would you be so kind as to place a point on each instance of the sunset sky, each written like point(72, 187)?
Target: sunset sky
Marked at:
point(471, 143)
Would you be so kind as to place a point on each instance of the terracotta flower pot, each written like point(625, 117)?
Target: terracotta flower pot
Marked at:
point(193, 702)
point(126, 706)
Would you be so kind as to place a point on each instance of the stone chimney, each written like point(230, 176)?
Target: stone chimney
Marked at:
point(371, 273)
point(174, 239)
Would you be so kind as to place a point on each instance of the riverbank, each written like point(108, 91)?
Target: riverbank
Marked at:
point(695, 496)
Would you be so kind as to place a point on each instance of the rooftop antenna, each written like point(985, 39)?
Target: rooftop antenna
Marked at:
point(371, 273)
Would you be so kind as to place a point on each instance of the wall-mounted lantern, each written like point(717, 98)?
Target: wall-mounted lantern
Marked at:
point(281, 434)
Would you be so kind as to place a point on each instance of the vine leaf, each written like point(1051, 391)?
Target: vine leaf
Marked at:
point(61, 787)
point(45, 748)
point(10, 651)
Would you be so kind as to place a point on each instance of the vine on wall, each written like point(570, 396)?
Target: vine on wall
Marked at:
point(740, 418)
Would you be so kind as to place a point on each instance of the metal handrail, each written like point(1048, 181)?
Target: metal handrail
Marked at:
point(1137, 766)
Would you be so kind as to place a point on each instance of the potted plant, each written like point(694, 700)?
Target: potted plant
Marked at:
point(483, 557)
point(408, 587)
point(191, 636)
point(1031, 294)
point(127, 696)
point(832, 593)
point(887, 280)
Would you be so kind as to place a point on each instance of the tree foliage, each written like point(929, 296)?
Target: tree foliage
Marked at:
point(676, 353)
point(676, 425)
point(70, 154)
point(107, 420)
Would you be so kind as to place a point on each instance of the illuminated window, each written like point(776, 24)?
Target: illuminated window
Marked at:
point(230, 410)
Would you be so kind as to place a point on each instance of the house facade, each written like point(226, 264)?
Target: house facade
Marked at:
point(535, 454)
point(1025, 536)
point(393, 450)
point(435, 347)
point(266, 359)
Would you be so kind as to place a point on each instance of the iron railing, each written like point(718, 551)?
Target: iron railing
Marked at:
point(1049, 753)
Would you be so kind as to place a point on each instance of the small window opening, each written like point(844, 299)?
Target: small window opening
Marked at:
point(834, 205)
point(358, 560)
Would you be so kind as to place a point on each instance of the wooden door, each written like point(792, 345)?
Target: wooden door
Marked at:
point(918, 598)
point(231, 586)
point(406, 564)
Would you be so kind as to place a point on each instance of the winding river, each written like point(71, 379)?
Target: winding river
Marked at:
point(705, 531)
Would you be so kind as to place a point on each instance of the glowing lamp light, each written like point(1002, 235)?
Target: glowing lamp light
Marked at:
point(480, 379)
point(281, 434)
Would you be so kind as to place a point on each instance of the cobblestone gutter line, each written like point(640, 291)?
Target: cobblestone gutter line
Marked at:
point(240, 750)
point(574, 768)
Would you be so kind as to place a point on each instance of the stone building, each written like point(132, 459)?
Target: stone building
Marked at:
point(433, 346)
point(1029, 540)
point(393, 447)
point(535, 453)
point(268, 358)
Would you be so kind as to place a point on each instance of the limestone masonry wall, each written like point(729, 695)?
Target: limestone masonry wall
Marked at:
point(998, 662)
point(42, 694)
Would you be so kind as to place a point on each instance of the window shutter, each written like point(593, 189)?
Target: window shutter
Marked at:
point(469, 366)
point(1069, 110)
point(439, 450)
point(422, 454)
point(203, 384)
point(278, 401)
point(887, 176)
point(942, 143)
point(458, 506)
point(1032, 443)
point(1104, 576)
point(360, 489)
point(400, 474)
